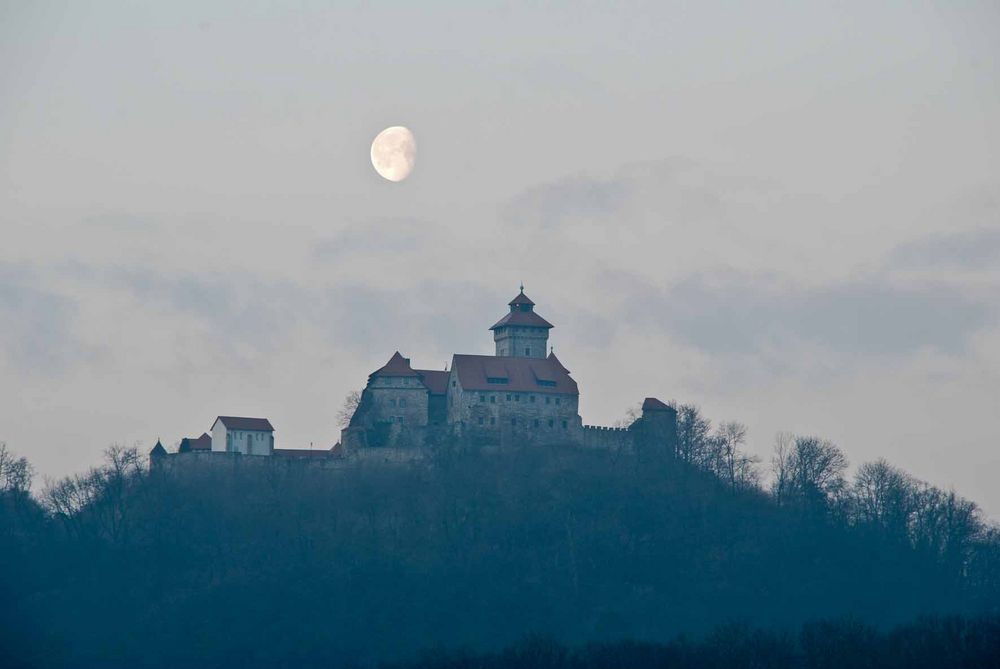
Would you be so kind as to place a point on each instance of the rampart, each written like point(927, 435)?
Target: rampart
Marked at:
point(607, 438)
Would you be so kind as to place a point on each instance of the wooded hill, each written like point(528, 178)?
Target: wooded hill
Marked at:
point(296, 566)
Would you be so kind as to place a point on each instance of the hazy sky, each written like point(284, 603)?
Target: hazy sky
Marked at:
point(788, 214)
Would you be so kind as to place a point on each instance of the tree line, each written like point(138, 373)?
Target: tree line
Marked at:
point(259, 566)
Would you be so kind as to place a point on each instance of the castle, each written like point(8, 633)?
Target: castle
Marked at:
point(520, 395)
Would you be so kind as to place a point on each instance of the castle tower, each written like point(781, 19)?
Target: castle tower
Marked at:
point(521, 333)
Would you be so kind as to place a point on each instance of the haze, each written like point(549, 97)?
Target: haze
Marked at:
point(789, 216)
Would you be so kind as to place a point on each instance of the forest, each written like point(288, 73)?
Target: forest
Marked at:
point(699, 555)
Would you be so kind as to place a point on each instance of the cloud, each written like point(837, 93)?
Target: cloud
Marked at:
point(737, 313)
point(375, 237)
point(553, 204)
point(977, 249)
point(36, 324)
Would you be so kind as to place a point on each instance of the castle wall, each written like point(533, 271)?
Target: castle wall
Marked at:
point(521, 342)
point(503, 416)
point(401, 400)
point(198, 460)
point(607, 438)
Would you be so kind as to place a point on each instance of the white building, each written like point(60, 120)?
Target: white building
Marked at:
point(249, 436)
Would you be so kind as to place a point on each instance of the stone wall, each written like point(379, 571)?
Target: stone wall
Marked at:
point(398, 400)
point(198, 460)
point(501, 416)
point(607, 438)
point(521, 342)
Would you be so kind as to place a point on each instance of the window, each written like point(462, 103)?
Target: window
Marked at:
point(517, 398)
point(536, 423)
point(480, 420)
point(493, 420)
point(392, 403)
point(496, 379)
point(482, 398)
point(548, 399)
point(557, 401)
point(527, 352)
point(551, 422)
point(508, 397)
point(402, 403)
point(453, 384)
point(513, 422)
point(493, 399)
point(564, 425)
point(531, 398)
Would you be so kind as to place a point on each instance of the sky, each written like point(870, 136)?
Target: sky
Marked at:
point(787, 214)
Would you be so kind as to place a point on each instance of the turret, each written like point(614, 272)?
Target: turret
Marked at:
point(522, 333)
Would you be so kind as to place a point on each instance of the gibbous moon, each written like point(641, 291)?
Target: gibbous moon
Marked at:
point(394, 152)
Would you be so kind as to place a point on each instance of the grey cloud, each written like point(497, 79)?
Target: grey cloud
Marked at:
point(969, 249)
point(364, 319)
point(741, 314)
point(677, 188)
point(561, 201)
point(36, 325)
point(380, 235)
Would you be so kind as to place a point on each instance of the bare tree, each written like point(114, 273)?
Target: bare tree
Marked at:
point(351, 403)
point(884, 496)
point(632, 414)
point(809, 469)
point(15, 473)
point(98, 502)
point(781, 466)
point(693, 436)
point(734, 466)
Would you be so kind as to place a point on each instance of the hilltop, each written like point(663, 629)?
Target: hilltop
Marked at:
point(470, 549)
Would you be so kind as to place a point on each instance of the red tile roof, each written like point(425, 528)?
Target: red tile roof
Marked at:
point(202, 443)
point(241, 423)
point(653, 404)
point(435, 380)
point(397, 366)
point(521, 299)
point(528, 318)
point(303, 453)
point(522, 374)
point(555, 361)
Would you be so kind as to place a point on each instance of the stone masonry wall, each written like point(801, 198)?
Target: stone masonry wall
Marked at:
point(607, 438)
point(502, 416)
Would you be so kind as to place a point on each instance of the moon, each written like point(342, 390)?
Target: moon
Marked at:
point(394, 153)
